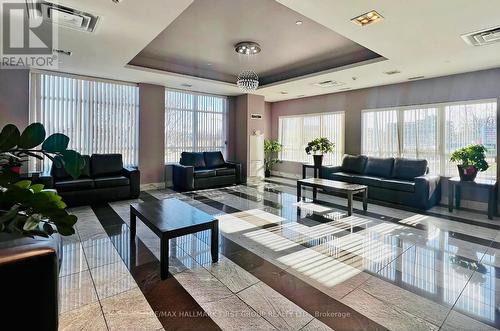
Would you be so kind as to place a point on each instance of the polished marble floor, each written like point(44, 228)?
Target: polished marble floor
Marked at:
point(284, 265)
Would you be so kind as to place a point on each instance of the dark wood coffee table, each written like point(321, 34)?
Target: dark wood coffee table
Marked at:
point(172, 218)
point(334, 186)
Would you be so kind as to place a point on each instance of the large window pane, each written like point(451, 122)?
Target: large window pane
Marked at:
point(467, 124)
point(296, 131)
point(432, 133)
point(97, 116)
point(380, 133)
point(194, 122)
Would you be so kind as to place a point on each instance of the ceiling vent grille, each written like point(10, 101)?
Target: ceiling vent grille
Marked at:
point(329, 84)
point(62, 16)
point(483, 37)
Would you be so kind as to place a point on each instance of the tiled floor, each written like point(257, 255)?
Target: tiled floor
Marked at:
point(284, 265)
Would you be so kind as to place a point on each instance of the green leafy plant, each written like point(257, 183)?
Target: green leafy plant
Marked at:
point(26, 208)
point(471, 156)
point(320, 146)
point(272, 148)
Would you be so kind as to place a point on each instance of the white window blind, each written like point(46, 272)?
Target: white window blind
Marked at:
point(194, 123)
point(296, 131)
point(432, 132)
point(97, 116)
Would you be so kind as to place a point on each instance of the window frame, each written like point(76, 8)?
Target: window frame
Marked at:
point(440, 126)
point(302, 116)
point(194, 111)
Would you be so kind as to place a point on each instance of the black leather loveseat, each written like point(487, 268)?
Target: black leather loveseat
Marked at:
point(395, 180)
point(197, 171)
point(103, 178)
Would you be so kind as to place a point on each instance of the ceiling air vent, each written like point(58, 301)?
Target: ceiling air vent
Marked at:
point(62, 16)
point(329, 83)
point(483, 37)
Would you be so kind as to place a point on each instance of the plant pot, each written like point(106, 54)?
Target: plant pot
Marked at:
point(16, 169)
point(318, 160)
point(467, 174)
point(267, 173)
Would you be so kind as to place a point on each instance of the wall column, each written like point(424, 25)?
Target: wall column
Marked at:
point(152, 133)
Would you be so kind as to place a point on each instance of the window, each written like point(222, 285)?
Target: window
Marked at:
point(296, 131)
point(432, 132)
point(97, 116)
point(194, 123)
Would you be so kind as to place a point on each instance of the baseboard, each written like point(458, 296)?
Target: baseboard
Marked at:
point(467, 204)
point(152, 186)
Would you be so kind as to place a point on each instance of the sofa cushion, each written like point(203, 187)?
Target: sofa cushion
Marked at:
point(366, 180)
point(341, 176)
point(380, 167)
point(111, 181)
point(398, 185)
point(214, 160)
point(225, 171)
point(75, 185)
point(104, 165)
point(193, 159)
point(60, 173)
point(409, 168)
point(204, 173)
point(354, 163)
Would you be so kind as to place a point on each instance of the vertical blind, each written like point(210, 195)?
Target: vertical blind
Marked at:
point(296, 131)
point(432, 132)
point(194, 123)
point(97, 116)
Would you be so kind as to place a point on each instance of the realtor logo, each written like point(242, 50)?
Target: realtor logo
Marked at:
point(27, 39)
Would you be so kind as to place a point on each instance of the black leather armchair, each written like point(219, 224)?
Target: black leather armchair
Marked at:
point(29, 269)
point(197, 171)
point(103, 178)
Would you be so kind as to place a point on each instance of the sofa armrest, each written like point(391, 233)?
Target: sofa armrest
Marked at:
point(183, 177)
point(237, 166)
point(134, 176)
point(428, 187)
point(327, 170)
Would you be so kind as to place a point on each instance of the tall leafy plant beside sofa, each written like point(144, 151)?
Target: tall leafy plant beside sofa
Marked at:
point(25, 208)
point(272, 148)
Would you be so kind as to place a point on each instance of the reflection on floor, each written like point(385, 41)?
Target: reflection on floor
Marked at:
point(284, 265)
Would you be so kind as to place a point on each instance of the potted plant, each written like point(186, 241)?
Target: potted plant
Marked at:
point(26, 209)
point(471, 159)
point(272, 148)
point(318, 147)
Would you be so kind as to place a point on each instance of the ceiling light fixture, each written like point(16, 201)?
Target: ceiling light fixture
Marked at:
point(299, 22)
point(248, 81)
point(367, 18)
point(392, 72)
point(247, 48)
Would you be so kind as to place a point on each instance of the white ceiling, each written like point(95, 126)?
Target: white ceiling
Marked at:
point(419, 38)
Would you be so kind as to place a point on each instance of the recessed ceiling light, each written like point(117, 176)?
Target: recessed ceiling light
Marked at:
point(367, 18)
point(209, 64)
point(284, 92)
point(392, 72)
point(299, 22)
point(301, 95)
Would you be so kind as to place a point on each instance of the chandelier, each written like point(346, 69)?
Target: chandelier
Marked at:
point(248, 81)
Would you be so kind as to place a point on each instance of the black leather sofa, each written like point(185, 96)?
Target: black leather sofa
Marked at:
point(204, 170)
point(103, 178)
point(395, 180)
point(29, 269)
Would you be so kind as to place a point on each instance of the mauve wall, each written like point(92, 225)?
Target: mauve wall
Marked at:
point(14, 97)
point(151, 133)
